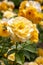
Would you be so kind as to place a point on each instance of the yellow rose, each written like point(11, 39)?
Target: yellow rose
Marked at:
point(11, 57)
point(39, 60)
point(34, 37)
point(32, 63)
point(11, 4)
point(3, 30)
point(24, 29)
point(40, 52)
point(28, 4)
point(31, 10)
point(8, 14)
point(4, 6)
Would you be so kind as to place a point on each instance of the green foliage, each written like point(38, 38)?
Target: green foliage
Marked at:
point(23, 50)
point(16, 10)
point(40, 34)
point(17, 2)
point(1, 15)
point(20, 57)
point(40, 44)
point(5, 44)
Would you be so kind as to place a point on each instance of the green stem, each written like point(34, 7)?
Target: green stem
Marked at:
point(15, 54)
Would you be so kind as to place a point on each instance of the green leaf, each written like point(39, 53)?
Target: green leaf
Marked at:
point(26, 43)
point(11, 51)
point(39, 28)
point(19, 47)
point(5, 44)
point(20, 57)
point(1, 15)
point(13, 46)
point(40, 34)
point(16, 11)
point(30, 48)
point(33, 56)
point(41, 38)
point(26, 54)
point(16, 2)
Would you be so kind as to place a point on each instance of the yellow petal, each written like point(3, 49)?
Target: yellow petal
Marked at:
point(11, 57)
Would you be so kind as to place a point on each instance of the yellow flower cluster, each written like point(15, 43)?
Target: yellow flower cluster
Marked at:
point(20, 28)
point(5, 5)
point(23, 27)
point(31, 10)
